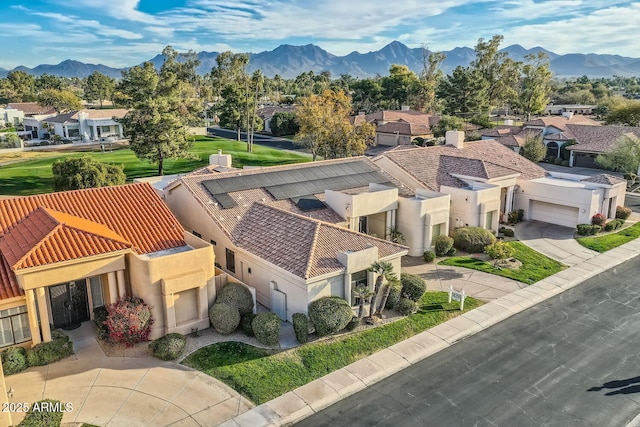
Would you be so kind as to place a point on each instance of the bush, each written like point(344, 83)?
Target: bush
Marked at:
point(301, 327)
point(598, 219)
point(224, 318)
point(353, 324)
point(266, 326)
point(169, 347)
point(588, 229)
point(245, 324)
point(614, 224)
point(499, 250)
point(472, 239)
point(413, 287)
point(237, 296)
point(14, 360)
point(100, 317)
point(565, 163)
point(550, 159)
point(623, 212)
point(595, 229)
point(451, 252)
point(508, 232)
point(48, 352)
point(394, 294)
point(129, 321)
point(557, 161)
point(45, 413)
point(406, 306)
point(442, 245)
point(329, 315)
point(429, 256)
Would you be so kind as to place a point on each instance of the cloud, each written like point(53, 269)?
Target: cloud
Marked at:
point(119, 9)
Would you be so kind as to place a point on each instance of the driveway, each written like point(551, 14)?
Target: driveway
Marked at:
point(554, 241)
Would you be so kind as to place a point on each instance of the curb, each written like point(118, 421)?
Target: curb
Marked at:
point(305, 401)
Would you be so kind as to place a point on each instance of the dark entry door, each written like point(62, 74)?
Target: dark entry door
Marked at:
point(69, 303)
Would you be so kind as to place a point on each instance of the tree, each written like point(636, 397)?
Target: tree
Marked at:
point(138, 85)
point(425, 98)
point(391, 280)
point(533, 148)
point(400, 85)
point(76, 173)
point(535, 84)
point(363, 294)
point(47, 81)
point(382, 269)
point(464, 91)
point(447, 123)
point(623, 157)
point(499, 250)
point(284, 123)
point(19, 87)
point(60, 100)
point(11, 140)
point(627, 114)
point(99, 86)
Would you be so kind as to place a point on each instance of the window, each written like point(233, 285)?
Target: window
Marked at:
point(14, 326)
point(213, 242)
point(435, 232)
point(97, 299)
point(358, 279)
point(231, 260)
point(198, 235)
point(362, 224)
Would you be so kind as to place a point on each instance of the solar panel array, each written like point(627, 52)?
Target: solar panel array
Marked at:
point(296, 183)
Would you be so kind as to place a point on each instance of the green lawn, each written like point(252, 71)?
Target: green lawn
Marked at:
point(610, 241)
point(262, 375)
point(535, 266)
point(34, 176)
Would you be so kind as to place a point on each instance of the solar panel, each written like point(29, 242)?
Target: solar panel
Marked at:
point(308, 203)
point(225, 200)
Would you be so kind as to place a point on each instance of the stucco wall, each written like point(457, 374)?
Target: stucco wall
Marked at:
point(417, 216)
point(469, 207)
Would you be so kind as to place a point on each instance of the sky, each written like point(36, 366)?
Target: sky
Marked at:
point(122, 33)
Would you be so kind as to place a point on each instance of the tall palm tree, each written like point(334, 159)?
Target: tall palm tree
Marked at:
point(362, 293)
point(391, 279)
point(381, 268)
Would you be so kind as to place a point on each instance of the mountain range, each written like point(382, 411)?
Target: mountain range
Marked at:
point(289, 61)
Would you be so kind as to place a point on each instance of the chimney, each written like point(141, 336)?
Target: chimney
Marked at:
point(404, 108)
point(567, 114)
point(455, 138)
point(508, 122)
point(220, 159)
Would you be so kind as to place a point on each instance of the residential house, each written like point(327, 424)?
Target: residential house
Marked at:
point(486, 180)
point(11, 117)
point(399, 127)
point(64, 254)
point(557, 110)
point(30, 109)
point(83, 125)
point(592, 141)
point(266, 114)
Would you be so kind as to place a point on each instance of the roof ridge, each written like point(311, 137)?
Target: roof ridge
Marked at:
point(59, 217)
point(312, 250)
point(33, 248)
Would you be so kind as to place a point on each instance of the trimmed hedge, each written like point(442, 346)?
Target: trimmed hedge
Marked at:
point(429, 256)
point(623, 212)
point(330, 315)
point(245, 324)
point(413, 287)
point(224, 318)
point(48, 352)
point(588, 229)
point(472, 239)
point(14, 360)
point(41, 415)
point(266, 326)
point(301, 327)
point(614, 224)
point(508, 232)
point(406, 306)
point(168, 347)
point(394, 294)
point(237, 296)
point(442, 245)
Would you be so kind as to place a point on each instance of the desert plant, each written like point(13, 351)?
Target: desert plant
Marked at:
point(224, 318)
point(129, 321)
point(236, 295)
point(301, 327)
point(168, 347)
point(406, 306)
point(329, 315)
point(499, 250)
point(598, 219)
point(413, 287)
point(394, 295)
point(472, 239)
point(245, 324)
point(429, 256)
point(266, 326)
point(14, 360)
point(623, 212)
point(48, 352)
point(45, 413)
point(442, 245)
point(362, 293)
point(382, 269)
point(396, 236)
point(391, 279)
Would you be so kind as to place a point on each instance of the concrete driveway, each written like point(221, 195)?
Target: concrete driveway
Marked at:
point(554, 241)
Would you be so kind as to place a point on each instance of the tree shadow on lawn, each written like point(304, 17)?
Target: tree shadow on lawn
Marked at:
point(624, 386)
point(23, 186)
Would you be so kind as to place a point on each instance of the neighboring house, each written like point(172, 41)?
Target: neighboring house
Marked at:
point(398, 127)
point(266, 114)
point(84, 125)
point(30, 109)
point(11, 117)
point(297, 232)
point(557, 110)
point(487, 180)
point(592, 141)
point(64, 254)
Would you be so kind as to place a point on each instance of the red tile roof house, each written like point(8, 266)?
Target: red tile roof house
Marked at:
point(399, 127)
point(64, 254)
point(298, 232)
point(486, 180)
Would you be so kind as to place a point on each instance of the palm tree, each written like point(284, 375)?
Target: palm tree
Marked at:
point(381, 268)
point(391, 279)
point(362, 293)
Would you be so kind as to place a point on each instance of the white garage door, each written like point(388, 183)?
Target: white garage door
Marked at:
point(553, 213)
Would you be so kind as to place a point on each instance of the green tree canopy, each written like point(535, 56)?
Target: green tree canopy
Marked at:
point(533, 148)
point(535, 84)
point(400, 85)
point(75, 173)
point(61, 100)
point(623, 157)
point(99, 86)
point(463, 91)
point(627, 114)
point(447, 123)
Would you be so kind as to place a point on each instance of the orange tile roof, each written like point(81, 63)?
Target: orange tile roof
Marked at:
point(47, 228)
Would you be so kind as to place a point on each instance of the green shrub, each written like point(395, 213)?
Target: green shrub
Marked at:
point(451, 252)
point(565, 163)
point(394, 294)
point(499, 250)
point(169, 347)
point(45, 413)
point(598, 219)
point(623, 212)
point(353, 324)
point(595, 229)
point(550, 159)
point(508, 232)
point(238, 296)
point(14, 360)
point(406, 306)
point(429, 256)
point(413, 287)
point(266, 326)
point(442, 245)
point(245, 324)
point(224, 318)
point(48, 352)
point(301, 327)
point(557, 161)
point(584, 229)
point(614, 224)
point(472, 239)
point(100, 317)
point(330, 315)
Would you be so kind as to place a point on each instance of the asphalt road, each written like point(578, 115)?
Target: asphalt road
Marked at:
point(269, 141)
point(632, 201)
point(570, 361)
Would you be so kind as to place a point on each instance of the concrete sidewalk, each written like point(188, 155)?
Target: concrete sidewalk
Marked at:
point(310, 398)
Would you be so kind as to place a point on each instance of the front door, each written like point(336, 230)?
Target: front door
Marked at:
point(69, 305)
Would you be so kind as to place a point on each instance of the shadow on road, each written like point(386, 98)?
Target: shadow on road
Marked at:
point(624, 386)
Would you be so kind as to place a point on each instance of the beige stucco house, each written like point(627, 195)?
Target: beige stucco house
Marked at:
point(399, 127)
point(64, 254)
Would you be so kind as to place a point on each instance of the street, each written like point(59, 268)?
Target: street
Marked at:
point(267, 140)
point(570, 361)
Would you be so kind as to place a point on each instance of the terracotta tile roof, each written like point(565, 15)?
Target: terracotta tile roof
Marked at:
point(604, 178)
point(404, 128)
point(301, 245)
point(502, 130)
point(474, 167)
point(31, 108)
point(54, 227)
point(410, 116)
point(9, 287)
point(427, 166)
point(599, 139)
point(561, 122)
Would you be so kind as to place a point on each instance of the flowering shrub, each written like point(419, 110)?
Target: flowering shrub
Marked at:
point(598, 219)
point(129, 321)
point(623, 212)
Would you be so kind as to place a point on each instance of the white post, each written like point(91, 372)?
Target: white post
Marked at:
point(462, 301)
point(450, 292)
